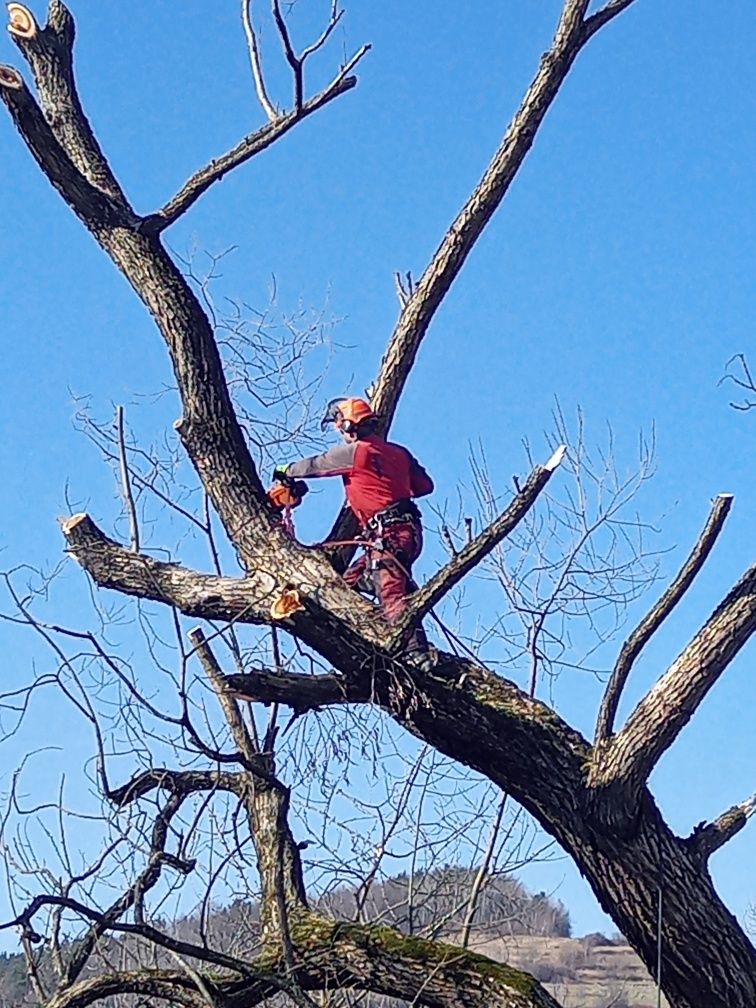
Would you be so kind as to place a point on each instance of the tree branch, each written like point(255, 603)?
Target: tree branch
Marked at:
point(49, 53)
point(603, 16)
point(345, 628)
point(88, 202)
point(662, 714)
point(442, 582)
point(707, 838)
point(300, 692)
point(208, 596)
point(254, 57)
point(244, 742)
point(335, 17)
point(460, 239)
point(175, 782)
point(251, 145)
point(164, 985)
point(650, 624)
point(102, 925)
point(330, 954)
point(110, 919)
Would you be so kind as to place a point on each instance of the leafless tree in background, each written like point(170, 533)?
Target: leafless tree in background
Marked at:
point(202, 782)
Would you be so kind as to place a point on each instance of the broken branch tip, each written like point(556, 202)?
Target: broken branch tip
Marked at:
point(556, 458)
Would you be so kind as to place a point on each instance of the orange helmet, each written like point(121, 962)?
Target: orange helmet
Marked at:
point(347, 414)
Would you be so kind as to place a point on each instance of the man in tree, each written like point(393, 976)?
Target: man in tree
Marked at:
point(592, 797)
point(380, 480)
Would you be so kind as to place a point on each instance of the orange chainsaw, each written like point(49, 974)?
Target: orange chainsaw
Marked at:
point(286, 493)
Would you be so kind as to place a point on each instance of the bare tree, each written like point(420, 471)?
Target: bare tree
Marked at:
point(593, 798)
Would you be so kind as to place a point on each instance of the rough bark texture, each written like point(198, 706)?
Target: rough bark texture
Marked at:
point(594, 801)
point(522, 745)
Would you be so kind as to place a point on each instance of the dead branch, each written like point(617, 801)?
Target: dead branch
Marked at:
point(49, 53)
point(254, 57)
point(665, 710)
point(650, 624)
point(707, 838)
point(300, 692)
point(441, 583)
point(251, 145)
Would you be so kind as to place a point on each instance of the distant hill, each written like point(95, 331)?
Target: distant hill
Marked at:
point(590, 972)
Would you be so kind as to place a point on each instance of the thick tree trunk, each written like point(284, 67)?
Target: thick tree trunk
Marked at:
point(592, 800)
point(625, 853)
point(624, 866)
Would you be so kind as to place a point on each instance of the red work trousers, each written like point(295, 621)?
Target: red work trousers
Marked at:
point(390, 571)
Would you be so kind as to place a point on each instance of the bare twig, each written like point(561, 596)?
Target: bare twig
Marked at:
point(481, 875)
point(254, 56)
point(128, 495)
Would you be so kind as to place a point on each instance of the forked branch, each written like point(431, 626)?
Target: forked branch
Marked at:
point(49, 53)
point(251, 145)
point(665, 710)
point(651, 623)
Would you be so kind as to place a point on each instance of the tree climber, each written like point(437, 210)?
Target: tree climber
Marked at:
point(380, 480)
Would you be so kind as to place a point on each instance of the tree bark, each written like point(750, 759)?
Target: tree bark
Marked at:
point(594, 801)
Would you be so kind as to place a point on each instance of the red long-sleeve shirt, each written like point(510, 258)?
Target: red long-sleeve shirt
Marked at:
point(376, 474)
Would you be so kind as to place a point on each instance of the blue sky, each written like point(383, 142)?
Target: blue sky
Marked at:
point(617, 276)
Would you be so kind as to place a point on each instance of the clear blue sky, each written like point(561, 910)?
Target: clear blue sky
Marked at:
point(617, 276)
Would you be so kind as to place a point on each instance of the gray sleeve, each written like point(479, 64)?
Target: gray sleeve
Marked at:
point(337, 461)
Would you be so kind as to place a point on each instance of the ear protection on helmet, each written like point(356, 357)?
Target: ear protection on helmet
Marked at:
point(347, 413)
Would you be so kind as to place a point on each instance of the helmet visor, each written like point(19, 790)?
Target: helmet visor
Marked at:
point(332, 413)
